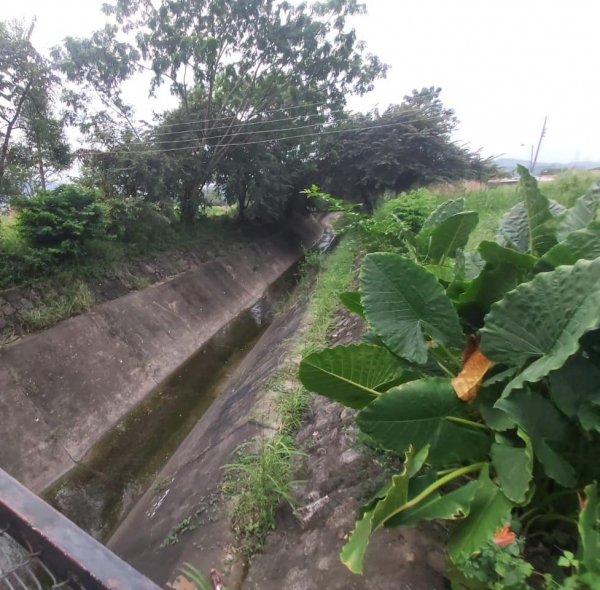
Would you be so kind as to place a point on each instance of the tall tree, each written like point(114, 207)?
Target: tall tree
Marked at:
point(32, 142)
point(408, 145)
point(231, 63)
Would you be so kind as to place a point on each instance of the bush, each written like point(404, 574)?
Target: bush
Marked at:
point(411, 209)
point(138, 223)
point(61, 220)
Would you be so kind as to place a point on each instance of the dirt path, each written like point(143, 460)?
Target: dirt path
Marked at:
point(338, 473)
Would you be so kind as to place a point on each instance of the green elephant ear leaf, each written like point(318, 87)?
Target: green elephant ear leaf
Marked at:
point(441, 242)
point(420, 413)
point(530, 226)
point(575, 397)
point(541, 321)
point(396, 495)
point(589, 529)
point(490, 509)
point(351, 301)
point(514, 469)
point(435, 506)
point(352, 375)
point(583, 244)
point(468, 265)
point(403, 303)
point(495, 254)
point(581, 214)
point(443, 211)
point(548, 430)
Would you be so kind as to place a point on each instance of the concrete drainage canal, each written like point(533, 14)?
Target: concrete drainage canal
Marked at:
point(114, 474)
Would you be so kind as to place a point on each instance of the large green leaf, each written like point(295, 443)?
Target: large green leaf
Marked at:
point(422, 413)
point(489, 287)
point(514, 469)
point(575, 389)
point(581, 214)
point(352, 375)
point(543, 320)
point(450, 506)
point(548, 430)
point(403, 302)
point(351, 301)
point(446, 238)
point(495, 418)
point(496, 255)
point(396, 495)
point(583, 244)
point(589, 530)
point(441, 272)
point(490, 509)
point(443, 211)
point(530, 226)
point(468, 265)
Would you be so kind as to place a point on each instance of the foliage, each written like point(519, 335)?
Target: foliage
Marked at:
point(32, 141)
point(60, 220)
point(407, 146)
point(507, 433)
point(259, 480)
point(385, 230)
point(411, 209)
point(57, 307)
point(240, 69)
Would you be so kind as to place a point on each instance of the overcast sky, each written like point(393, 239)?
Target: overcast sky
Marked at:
point(503, 65)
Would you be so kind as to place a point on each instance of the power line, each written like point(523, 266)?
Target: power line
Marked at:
point(270, 140)
point(262, 131)
point(212, 120)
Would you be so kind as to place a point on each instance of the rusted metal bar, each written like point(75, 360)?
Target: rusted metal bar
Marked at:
point(70, 553)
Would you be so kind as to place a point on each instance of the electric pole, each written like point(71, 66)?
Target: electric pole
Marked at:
point(543, 134)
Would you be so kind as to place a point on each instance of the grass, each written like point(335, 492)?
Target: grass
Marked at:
point(492, 203)
point(261, 476)
point(58, 307)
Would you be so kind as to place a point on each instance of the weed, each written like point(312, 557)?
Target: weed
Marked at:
point(161, 485)
point(194, 575)
point(57, 307)
point(139, 283)
point(179, 529)
point(260, 481)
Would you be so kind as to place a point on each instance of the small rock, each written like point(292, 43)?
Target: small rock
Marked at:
point(2, 322)
point(8, 310)
point(309, 512)
point(26, 304)
point(350, 456)
point(149, 269)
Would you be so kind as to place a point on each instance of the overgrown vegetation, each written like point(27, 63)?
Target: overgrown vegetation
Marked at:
point(261, 475)
point(481, 370)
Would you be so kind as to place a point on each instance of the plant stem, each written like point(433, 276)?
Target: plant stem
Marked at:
point(439, 483)
point(469, 423)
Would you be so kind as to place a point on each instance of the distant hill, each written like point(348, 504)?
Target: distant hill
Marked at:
point(510, 164)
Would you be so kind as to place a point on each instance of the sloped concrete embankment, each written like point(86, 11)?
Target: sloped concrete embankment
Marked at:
point(62, 389)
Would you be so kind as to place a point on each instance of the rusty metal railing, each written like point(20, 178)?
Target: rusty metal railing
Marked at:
point(42, 550)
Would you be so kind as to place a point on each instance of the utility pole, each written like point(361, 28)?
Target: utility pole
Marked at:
point(543, 134)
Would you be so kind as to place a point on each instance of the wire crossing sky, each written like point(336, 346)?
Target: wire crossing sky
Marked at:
point(503, 66)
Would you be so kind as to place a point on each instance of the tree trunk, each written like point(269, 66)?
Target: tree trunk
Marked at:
point(367, 202)
point(42, 171)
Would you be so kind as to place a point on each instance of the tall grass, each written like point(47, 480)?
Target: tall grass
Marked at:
point(492, 203)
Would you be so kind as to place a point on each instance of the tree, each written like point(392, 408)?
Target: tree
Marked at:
point(408, 145)
point(231, 63)
point(32, 142)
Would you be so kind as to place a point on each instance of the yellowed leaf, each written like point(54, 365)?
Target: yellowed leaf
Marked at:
point(468, 382)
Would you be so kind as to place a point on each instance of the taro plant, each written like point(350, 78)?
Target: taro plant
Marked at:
point(482, 369)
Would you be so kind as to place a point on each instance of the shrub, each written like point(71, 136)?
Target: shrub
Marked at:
point(61, 220)
point(482, 369)
point(137, 223)
point(411, 209)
